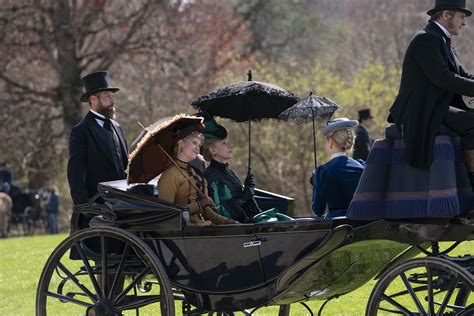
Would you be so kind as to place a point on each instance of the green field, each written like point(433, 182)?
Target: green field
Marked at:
point(22, 260)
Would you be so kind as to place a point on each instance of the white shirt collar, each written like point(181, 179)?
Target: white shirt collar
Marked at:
point(100, 122)
point(339, 154)
point(446, 32)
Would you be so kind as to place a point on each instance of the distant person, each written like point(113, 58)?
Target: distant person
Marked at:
point(178, 184)
point(5, 177)
point(97, 146)
point(335, 182)
point(52, 210)
point(232, 199)
point(432, 84)
point(363, 142)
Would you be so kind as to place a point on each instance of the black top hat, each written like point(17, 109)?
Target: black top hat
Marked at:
point(364, 114)
point(451, 5)
point(96, 82)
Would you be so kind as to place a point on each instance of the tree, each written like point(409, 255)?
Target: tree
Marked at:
point(48, 45)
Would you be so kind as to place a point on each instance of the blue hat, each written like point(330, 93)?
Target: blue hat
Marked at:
point(339, 123)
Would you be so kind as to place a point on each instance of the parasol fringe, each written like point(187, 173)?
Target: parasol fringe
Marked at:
point(149, 134)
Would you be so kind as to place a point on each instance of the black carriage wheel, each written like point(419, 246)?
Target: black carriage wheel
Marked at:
point(77, 286)
point(423, 286)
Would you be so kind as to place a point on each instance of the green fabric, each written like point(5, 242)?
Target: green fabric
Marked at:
point(221, 194)
point(271, 215)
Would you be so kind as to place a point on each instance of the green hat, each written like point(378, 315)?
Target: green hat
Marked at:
point(212, 130)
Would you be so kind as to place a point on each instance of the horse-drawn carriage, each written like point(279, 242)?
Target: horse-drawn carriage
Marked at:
point(141, 256)
point(28, 209)
point(152, 258)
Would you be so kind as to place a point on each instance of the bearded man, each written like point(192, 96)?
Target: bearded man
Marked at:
point(432, 84)
point(97, 146)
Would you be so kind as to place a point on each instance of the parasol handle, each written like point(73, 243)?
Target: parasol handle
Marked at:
point(199, 192)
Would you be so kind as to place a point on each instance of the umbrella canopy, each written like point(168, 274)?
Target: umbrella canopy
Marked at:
point(147, 159)
point(312, 108)
point(247, 100)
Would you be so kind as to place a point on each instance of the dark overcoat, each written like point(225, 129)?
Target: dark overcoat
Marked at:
point(90, 158)
point(431, 82)
point(362, 143)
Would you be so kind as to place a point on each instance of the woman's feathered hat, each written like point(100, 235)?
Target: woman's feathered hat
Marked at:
point(212, 130)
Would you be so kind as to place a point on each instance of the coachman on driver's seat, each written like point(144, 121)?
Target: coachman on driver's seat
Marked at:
point(417, 171)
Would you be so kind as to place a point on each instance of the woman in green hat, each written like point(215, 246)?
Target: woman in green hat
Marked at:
point(232, 199)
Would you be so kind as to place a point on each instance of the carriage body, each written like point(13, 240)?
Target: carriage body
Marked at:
point(243, 266)
point(28, 208)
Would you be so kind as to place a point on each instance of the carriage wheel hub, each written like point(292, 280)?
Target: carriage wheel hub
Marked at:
point(101, 308)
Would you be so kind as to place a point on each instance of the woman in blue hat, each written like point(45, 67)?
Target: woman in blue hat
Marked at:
point(335, 182)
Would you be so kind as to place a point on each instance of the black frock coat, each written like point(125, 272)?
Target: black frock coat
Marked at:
point(362, 143)
point(431, 82)
point(90, 158)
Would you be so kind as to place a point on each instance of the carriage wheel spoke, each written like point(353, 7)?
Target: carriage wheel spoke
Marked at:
point(77, 282)
point(68, 299)
point(105, 279)
point(412, 294)
point(430, 291)
point(400, 307)
point(117, 278)
point(131, 285)
point(80, 249)
point(448, 296)
point(140, 302)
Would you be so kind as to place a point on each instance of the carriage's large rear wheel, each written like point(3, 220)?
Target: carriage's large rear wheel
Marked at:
point(135, 280)
point(423, 286)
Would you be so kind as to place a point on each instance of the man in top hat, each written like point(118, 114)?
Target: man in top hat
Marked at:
point(97, 146)
point(432, 84)
point(363, 142)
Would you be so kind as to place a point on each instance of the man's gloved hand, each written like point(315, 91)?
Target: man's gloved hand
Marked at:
point(250, 180)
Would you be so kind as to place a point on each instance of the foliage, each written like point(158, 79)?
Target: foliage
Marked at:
point(151, 48)
point(283, 152)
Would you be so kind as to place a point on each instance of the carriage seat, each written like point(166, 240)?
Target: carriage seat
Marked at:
point(390, 188)
point(149, 188)
point(391, 132)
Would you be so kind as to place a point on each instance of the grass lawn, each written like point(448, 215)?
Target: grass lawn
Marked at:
point(22, 260)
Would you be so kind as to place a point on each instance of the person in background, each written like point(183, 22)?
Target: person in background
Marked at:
point(363, 142)
point(335, 182)
point(178, 183)
point(232, 199)
point(5, 177)
point(52, 210)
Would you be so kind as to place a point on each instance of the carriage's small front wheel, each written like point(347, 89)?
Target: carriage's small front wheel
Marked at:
point(423, 286)
point(112, 272)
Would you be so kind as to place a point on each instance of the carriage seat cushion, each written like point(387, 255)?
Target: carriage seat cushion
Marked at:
point(391, 132)
point(142, 189)
point(122, 185)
